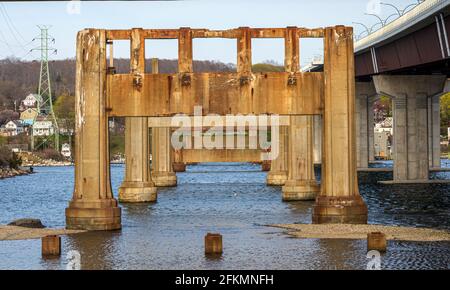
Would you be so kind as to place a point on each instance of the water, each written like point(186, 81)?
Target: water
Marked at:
point(228, 198)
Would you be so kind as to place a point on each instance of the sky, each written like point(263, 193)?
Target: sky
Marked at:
point(19, 20)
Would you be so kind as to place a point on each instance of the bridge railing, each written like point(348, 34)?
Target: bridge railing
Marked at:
point(409, 19)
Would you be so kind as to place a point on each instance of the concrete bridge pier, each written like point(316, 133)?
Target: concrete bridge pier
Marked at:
point(434, 132)
point(301, 183)
point(318, 130)
point(364, 125)
point(178, 164)
point(410, 97)
point(278, 173)
point(339, 200)
point(162, 170)
point(93, 206)
point(137, 185)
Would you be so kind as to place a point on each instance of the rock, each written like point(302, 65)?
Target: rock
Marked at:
point(27, 223)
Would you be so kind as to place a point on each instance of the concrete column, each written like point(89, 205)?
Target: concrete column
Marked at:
point(279, 169)
point(162, 171)
point(318, 132)
point(178, 164)
point(410, 93)
point(370, 129)
point(137, 185)
point(301, 183)
point(434, 131)
point(93, 206)
point(363, 91)
point(339, 200)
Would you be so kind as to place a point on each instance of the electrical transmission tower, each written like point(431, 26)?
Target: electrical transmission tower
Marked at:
point(45, 102)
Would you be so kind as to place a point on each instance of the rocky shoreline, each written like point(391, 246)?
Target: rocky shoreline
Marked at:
point(8, 172)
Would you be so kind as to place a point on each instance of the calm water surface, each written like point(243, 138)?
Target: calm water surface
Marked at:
point(228, 198)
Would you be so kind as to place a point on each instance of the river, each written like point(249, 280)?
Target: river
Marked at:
point(228, 198)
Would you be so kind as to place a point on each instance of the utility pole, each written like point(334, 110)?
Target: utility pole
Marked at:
point(45, 102)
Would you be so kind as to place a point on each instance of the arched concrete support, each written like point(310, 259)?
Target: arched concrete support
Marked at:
point(410, 93)
point(434, 131)
point(318, 132)
point(339, 200)
point(364, 90)
point(137, 185)
point(162, 171)
point(301, 183)
point(278, 173)
point(93, 206)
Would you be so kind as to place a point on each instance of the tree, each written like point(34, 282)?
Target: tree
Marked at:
point(64, 109)
point(445, 113)
point(8, 115)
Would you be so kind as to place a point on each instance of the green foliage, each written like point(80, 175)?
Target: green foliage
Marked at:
point(117, 144)
point(64, 109)
point(15, 161)
point(445, 113)
point(50, 153)
point(9, 158)
point(267, 67)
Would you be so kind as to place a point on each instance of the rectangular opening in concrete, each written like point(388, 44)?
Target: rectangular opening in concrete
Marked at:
point(214, 54)
point(121, 56)
point(311, 52)
point(166, 51)
point(267, 54)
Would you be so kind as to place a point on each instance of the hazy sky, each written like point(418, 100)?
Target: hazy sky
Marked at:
point(18, 24)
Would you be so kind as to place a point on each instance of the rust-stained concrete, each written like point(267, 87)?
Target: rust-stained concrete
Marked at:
point(101, 94)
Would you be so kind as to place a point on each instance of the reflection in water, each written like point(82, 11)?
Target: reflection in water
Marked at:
point(230, 199)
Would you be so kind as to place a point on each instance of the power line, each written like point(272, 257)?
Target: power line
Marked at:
point(12, 23)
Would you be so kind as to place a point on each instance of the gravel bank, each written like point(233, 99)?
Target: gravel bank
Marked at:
point(347, 231)
point(21, 233)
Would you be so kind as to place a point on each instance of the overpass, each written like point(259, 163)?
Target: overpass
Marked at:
point(408, 61)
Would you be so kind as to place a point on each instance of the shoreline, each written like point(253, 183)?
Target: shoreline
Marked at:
point(13, 233)
point(9, 173)
point(359, 232)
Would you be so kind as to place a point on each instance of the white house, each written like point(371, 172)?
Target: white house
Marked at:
point(31, 100)
point(65, 150)
point(43, 128)
point(385, 126)
point(13, 128)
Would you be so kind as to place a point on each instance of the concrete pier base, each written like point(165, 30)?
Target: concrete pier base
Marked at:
point(137, 185)
point(162, 168)
point(301, 183)
point(300, 190)
point(137, 192)
point(164, 179)
point(340, 209)
point(95, 215)
point(278, 173)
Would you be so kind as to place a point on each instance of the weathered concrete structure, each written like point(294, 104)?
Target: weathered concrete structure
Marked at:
point(162, 158)
point(101, 94)
point(410, 96)
point(365, 91)
point(278, 173)
point(137, 185)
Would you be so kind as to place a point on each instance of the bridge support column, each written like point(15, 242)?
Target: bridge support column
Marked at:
point(410, 93)
point(278, 169)
point(363, 92)
point(301, 183)
point(434, 131)
point(93, 206)
point(339, 200)
point(178, 164)
point(370, 129)
point(137, 185)
point(318, 130)
point(162, 171)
